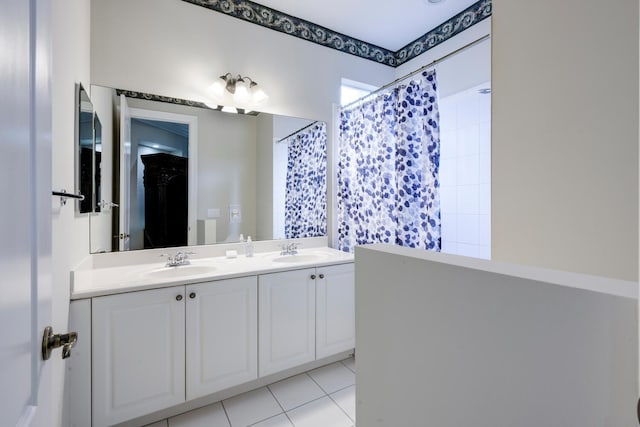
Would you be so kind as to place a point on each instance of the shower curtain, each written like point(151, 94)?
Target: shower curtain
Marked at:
point(389, 153)
point(306, 192)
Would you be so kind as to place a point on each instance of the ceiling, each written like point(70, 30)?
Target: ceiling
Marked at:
point(384, 23)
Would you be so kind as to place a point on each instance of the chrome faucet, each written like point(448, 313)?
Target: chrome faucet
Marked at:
point(179, 258)
point(290, 248)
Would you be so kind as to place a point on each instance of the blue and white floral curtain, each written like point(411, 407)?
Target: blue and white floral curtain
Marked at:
point(306, 193)
point(389, 152)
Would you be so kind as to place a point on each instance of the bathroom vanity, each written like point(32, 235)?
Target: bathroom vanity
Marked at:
point(155, 338)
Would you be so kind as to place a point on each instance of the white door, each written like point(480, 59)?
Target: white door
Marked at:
point(286, 325)
point(138, 354)
point(335, 310)
point(125, 174)
point(222, 335)
point(25, 226)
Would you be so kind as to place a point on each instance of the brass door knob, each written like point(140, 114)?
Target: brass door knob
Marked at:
point(51, 341)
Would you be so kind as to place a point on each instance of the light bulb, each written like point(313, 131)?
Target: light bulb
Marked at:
point(242, 92)
point(259, 95)
point(217, 88)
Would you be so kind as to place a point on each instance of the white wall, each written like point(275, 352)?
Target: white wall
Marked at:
point(70, 232)
point(565, 135)
point(177, 49)
point(264, 177)
point(451, 341)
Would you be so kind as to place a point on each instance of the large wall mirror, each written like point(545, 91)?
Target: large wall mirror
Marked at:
point(188, 174)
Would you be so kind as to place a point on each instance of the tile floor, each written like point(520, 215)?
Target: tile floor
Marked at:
point(323, 397)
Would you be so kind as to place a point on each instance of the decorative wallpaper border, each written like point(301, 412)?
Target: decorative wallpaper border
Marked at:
point(176, 101)
point(284, 23)
point(467, 18)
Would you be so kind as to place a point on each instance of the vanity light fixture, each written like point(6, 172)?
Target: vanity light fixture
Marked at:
point(239, 90)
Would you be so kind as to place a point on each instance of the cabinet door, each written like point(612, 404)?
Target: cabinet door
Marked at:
point(286, 320)
point(222, 335)
point(335, 299)
point(138, 354)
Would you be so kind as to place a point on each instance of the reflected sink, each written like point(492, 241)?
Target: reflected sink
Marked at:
point(180, 271)
point(299, 258)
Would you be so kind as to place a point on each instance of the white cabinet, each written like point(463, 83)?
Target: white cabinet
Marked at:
point(335, 310)
point(286, 307)
point(305, 315)
point(222, 335)
point(157, 348)
point(153, 349)
point(138, 354)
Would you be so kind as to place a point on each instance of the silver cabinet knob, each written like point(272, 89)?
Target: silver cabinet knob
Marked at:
point(192, 295)
point(178, 297)
point(313, 277)
point(321, 276)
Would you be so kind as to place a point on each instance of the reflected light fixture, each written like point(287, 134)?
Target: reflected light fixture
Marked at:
point(239, 90)
point(227, 109)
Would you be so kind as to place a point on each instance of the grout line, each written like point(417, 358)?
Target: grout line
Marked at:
point(345, 365)
point(339, 363)
point(340, 389)
point(326, 394)
point(275, 398)
point(271, 416)
point(290, 420)
point(341, 408)
point(321, 388)
point(226, 413)
point(306, 403)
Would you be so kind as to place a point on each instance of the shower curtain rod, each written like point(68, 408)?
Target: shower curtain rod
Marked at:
point(419, 70)
point(298, 131)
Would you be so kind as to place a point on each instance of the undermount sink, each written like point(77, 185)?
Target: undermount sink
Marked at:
point(299, 258)
point(180, 271)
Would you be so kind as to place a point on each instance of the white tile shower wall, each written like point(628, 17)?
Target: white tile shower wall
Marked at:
point(465, 172)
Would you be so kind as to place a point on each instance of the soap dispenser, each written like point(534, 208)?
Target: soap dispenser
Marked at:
point(248, 248)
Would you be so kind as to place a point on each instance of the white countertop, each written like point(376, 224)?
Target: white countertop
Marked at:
point(92, 282)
